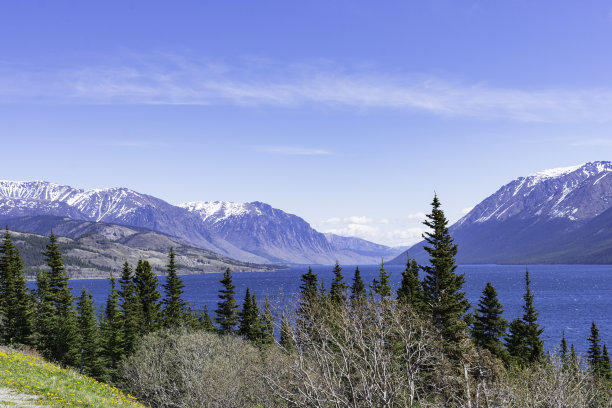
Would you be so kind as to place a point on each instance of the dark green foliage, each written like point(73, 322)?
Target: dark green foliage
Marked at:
point(489, 325)
point(249, 318)
point(206, 321)
point(91, 362)
point(445, 303)
point(287, 340)
point(410, 292)
point(174, 307)
point(535, 345)
point(112, 329)
point(358, 289)
point(605, 363)
point(595, 357)
point(309, 286)
point(16, 302)
point(339, 287)
point(565, 357)
point(266, 336)
point(131, 310)
point(225, 315)
point(516, 342)
point(381, 285)
point(61, 337)
point(145, 283)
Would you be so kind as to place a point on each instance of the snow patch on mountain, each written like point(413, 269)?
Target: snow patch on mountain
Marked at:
point(218, 211)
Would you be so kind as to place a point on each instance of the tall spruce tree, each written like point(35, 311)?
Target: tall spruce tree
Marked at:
point(112, 329)
point(594, 354)
point(339, 287)
point(64, 333)
point(45, 315)
point(131, 310)
point(309, 295)
point(16, 302)
point(287, 340)
point(174, 307)
point(535, 345)
point(145, 283)
point(381, 285)
point(410, 292)
point(226, 315)
point(445, 302)
point(564, 349)
point(516, 342)
point(605, 363)
point(358, 289)
point(249, 318)
point(206, 321)
point(489, 325)
point(91, 362)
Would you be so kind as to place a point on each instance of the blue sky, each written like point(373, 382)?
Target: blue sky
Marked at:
point(347, 113)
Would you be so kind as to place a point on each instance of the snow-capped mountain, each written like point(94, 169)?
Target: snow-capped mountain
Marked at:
point(553, 216)
point(251, 232)
point(272, 233)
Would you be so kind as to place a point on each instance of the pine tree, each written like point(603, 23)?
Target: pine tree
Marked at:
point(489, 325)
point(131, 310)
point(90, 343)
point(564, 352)
point(605, 363)
point(249, 318)
point(535, 345)
point(410, 292)
point(309, 295)
point(266, 336)
point(338, 287)
point(358, 289)
point(573, 357)
point(287, 341)
point(445, 302)
point(45, 315)
point(174, 307)
point(145, 283)
point(381, 285)
point(226, 315)
point(516, 342)
point(16, 302)
point(594, 355)
point(206, 321)
point(65, 334)
point(112, 329)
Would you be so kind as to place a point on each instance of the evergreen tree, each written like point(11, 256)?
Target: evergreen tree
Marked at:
point(381, 285)
point(573, 357)
point(174, 307)
point(605, 363)
point(112, 328)
point(249, 318)
point(64, 335)
point(410, 291)
point(45, 315)
point(131, 311)
point(16, 302)
point(358, 289)
point(565, 357)
point(226, 315)
point(516, 342)
point(90, 343)
point(338, 287)
point(145, 283)
point(534, 343)
point(267, 324)
point(206, 321)
point(309, 286)
point(287, 341)
point(594, 355)
point(444, 300)
point(489, 325)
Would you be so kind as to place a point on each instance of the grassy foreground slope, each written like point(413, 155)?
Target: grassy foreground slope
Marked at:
point(55, 386)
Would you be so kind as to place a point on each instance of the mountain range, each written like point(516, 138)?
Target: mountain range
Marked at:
point(248, 232)
point(561, 215)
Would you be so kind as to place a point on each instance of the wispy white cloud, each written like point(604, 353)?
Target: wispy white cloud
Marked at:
point(403, 231)
point(293, 150)
point(593, 142)
point(168, 79)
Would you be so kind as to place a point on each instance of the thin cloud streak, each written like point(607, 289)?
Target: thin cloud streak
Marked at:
point(171, 80)
point(293, 151)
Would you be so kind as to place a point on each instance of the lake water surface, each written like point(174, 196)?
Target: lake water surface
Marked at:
point(567, 297)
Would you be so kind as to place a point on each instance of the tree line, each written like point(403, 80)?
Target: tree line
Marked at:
point(427, 344)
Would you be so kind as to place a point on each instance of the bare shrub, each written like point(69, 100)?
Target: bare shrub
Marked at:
point(195, 369)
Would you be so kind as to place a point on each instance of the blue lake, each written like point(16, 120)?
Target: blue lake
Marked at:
point(567, 297)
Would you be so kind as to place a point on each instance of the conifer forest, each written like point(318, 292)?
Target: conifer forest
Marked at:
point(353, 344)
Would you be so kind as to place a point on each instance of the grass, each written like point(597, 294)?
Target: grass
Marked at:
point(55, 386)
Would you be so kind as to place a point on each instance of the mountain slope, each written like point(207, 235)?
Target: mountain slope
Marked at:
point(547, 217)
point(91, 249)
